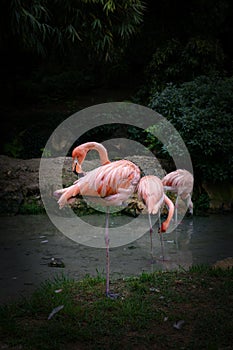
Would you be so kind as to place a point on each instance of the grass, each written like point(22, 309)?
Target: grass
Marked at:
point(31, 209)
point(142, 317)
point(32, 205)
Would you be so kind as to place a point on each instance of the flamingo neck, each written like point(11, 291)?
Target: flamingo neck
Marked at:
point(100, 149)
point(170, 205)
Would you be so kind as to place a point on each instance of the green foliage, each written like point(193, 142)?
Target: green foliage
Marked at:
point(113, 130)
point(46, 152)
point(98, 27)
point(31, 207)
point(202, 203)
point(178, 62)
point(201, 111)
point(15, 148)
point(65, 83)
point(30, 24)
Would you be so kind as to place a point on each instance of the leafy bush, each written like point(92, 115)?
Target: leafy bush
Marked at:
point(101, 28)
point(178, 62)
point(202, 112)
point(201, 203)
point(15, 147)
point(66, 83)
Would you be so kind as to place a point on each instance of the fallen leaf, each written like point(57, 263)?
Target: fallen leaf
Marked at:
point(178, 324)
point(58, 291)
point(55, 310)
point(178, 281)
point(152, 289)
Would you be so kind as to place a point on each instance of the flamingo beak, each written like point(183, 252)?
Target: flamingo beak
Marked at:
point(162, 229)
point(76, 167)
point(75, 172)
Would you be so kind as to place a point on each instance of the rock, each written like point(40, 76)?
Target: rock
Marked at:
point(224, 264)
point(10, 201)
point(56, 262)
point(19, 181)
point(220, 194)
point(148, 165)
point(19, 184)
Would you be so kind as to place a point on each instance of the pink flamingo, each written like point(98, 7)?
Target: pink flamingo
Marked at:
point(150, 190)
point(79, 154)
point(110, 185)
point(181, 182)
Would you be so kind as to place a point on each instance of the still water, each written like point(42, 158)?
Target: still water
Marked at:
point(28, 243)
point(202, 239)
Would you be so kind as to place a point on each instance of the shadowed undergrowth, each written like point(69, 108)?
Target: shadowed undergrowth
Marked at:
point(163, 310)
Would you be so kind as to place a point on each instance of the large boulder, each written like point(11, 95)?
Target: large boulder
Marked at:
point(19, 180)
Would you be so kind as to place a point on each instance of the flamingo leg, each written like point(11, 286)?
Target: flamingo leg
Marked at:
point(151, 232)
point(161, 237)
point(107, 251)
point(176, 209)
point(108, 294)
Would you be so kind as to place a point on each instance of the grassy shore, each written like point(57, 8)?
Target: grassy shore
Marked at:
point(164, 310)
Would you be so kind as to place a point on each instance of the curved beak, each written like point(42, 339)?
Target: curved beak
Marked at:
point(76, 168)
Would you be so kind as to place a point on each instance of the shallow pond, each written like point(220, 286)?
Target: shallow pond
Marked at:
point(28, 243)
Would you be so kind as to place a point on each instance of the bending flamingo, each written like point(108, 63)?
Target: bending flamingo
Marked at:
point(181, 182)
point(151, 192)
point(110, 185)
point(150, 188)
point(79, 154)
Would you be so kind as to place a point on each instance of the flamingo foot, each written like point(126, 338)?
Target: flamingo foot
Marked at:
point(153, 260)
point(112, 296)
point(163, 259)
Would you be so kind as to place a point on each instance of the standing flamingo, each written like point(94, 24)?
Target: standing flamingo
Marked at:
point(150, 188)
point(110, 185)
point(181, 182)
point(151, 192)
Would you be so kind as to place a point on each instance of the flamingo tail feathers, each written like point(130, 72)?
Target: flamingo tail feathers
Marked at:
point(67, 195)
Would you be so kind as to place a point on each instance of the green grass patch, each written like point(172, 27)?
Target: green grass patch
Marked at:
point(31, 208)
point(142, 317)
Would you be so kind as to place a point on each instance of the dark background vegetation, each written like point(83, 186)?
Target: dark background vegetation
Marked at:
point(173, 56)
point(60, 56)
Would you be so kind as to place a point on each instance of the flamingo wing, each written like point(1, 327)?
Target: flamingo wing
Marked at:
point(113, 182)
point(180, 181)
point(150, 191)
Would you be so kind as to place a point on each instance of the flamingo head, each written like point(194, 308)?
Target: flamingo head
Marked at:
point(78, 155)
point(163, 227)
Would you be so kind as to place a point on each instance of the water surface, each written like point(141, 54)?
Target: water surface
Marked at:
point(27, 244)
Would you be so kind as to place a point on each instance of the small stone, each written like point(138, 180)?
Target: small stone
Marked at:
point(56, 262)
